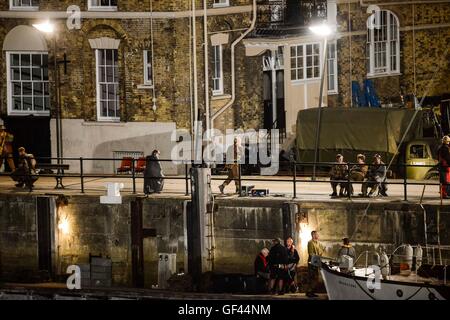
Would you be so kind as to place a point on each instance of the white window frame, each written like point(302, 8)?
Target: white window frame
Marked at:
point(304, 77)
point(219, 91)
point(148, 79)
point(221, 3)
point(100, 117)
point(92, 7)
point(371, 42)
point(9, 95)
point(22, 8)
point(332, 65)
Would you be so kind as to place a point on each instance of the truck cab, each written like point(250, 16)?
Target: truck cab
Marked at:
point(420, 155)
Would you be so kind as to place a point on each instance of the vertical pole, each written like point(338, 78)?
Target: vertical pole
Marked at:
point(274, 88)
point(206, 64)
point(349, 194)
point(81, 175)
point(186, 178)
point(195, 88)
point(133, 172)
point(405, 183)
point(294, 178)
point(56, 74)
point(319, 111)
point(240, 181)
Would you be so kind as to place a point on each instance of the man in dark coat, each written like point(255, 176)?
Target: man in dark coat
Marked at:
point(153, 174)
point(293, 259)
point(278, 260)
point(262, 272)
point(376, 178)
point(444, 163)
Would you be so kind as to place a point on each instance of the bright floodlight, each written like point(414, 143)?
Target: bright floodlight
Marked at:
point(322, 30)
point(45, 27)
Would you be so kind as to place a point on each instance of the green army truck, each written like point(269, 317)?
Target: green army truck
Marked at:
point(350, 131)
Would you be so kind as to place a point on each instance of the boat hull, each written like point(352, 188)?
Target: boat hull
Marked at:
point(347, 287)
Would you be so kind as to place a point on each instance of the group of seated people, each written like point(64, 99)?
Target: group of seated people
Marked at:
point(371, 176)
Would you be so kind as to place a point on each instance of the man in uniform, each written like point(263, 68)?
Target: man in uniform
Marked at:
point(6, 148)
point(338, 172)
point(25, 174)
point(315, 248)
point(234, 155)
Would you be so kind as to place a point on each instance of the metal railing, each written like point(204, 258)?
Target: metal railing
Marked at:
point(297, 173)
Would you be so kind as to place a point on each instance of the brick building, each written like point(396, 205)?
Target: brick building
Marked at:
point(126, 77)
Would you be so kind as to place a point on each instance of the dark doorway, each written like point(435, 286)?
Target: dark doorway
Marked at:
point(44, 235)
point(267, 94)
point(32, 133)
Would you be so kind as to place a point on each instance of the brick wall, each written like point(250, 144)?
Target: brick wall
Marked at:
point(428, 44)
point(171, 64)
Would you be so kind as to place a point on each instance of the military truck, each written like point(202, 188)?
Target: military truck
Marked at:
point(369, 131)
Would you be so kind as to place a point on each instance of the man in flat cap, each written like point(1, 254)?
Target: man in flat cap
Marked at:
point(376, 178)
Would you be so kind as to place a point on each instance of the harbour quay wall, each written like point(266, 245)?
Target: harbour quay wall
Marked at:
point(41, 235)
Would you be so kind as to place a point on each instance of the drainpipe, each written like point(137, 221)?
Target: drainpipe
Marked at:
point(233, 75)
point(205, 35)
point(194, 49)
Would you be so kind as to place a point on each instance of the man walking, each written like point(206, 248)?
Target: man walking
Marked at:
point(315, 248)
point(234, 155)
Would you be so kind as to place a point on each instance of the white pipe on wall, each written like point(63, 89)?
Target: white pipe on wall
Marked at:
point(195, 86)
point(205, 35)
point(233, 75)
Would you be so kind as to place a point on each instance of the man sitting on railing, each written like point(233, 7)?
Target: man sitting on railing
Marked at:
point(376, 178)
point(358, 172)
point(338, 172)
point(25, 174)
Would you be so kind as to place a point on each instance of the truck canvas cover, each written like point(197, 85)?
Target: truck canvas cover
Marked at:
point(355, 130)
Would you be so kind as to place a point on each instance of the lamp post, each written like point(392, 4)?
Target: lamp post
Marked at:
point(323, 31)
point(49, 28)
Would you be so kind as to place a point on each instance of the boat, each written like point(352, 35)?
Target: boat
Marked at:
point(376, 282)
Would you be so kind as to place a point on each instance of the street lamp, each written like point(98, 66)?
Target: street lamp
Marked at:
point(49, 28)
point(324, 31)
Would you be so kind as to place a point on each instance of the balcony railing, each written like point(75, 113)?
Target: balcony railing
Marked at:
point(282, 13)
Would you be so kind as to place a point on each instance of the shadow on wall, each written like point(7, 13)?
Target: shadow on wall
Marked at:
point(142, 144)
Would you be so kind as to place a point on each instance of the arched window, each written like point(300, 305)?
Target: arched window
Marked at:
point(383, 43)
point(27, 72)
